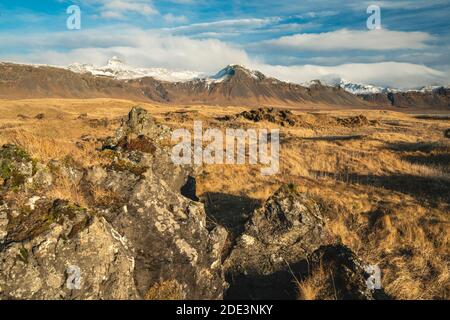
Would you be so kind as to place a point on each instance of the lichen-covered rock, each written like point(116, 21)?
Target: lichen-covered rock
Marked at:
point(287, 228)
point(140, 237)
point(18, 169)
point(3, 221)
point(43, 177)
point(16, 166)
point(166, 230)
point(285, 242)
point(139, 124)
point(62, 251)
point(168, 233)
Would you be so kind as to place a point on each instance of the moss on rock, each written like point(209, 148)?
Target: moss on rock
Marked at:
point(16, 166)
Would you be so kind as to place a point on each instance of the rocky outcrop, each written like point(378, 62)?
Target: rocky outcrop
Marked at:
point(167, 230)
point(58, 250)
point(284, 243)
point(277, 237)
point(148, 240)
point(16, 166)
point(354, 121)
point(283, 118)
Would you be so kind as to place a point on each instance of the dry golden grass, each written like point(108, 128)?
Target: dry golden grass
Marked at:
point(384, 192)
point(104, 197)
point(66, 189)
point(165, 290)
point(310, 288)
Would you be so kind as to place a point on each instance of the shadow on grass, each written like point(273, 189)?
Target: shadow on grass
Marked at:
point(346, 281)
point(418, 147)
point(280, 285)
point(430, 188)
point(435, 155)
point(336, 138)
point(440, 161)
point(230, 211)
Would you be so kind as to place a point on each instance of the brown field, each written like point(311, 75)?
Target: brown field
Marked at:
point(385, 187)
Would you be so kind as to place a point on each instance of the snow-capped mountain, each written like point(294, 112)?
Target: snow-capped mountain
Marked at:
point(366, 89)
point(230, 71)
point(118, 69)
point(431, 88)
point(311, 83)
point(359, 88)
point(233, 85)
point(352, 87)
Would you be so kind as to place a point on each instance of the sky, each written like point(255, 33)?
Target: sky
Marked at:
point(294, 41)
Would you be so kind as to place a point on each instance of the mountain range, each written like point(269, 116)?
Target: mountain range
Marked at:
point(233, 85)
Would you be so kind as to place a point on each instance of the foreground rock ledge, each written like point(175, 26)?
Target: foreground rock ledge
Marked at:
point(152, 243)
point(285, 243)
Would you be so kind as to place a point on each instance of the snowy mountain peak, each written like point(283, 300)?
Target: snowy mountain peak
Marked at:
point(117, 68)
point(349, 86)
point(232, 70)
point(358, 88)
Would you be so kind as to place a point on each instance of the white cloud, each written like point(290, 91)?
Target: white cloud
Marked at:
point(220, 25)
point(353, 40)
point(398, 4)
point(151, 48)
point(118, 9)
point(392, 74)
point(144, 48)
point(238, 27)
point(170, 18)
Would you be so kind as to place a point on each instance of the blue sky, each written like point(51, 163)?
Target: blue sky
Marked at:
point(292, 40)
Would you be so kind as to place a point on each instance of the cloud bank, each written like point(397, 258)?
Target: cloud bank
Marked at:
point(164, 48)
point(353, 40)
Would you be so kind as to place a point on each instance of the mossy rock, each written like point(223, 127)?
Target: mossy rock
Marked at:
point(16, 165)
point(32, 223)
point(122, 165)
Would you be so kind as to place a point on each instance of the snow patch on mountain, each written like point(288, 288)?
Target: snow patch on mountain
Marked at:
point(354, 88)
point(229, 71)
point(359, 88)
point(310, 83)
point(118, 69)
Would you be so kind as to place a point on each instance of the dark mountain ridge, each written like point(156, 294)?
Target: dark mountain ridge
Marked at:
point(234, 85)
